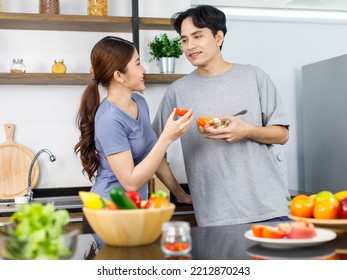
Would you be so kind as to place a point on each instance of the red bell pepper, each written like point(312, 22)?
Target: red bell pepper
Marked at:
point(135, 197)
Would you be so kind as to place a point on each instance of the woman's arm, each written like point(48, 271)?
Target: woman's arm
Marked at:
point(133, 177)
point(165, 175)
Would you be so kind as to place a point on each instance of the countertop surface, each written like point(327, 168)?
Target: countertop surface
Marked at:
point(211, 243)
point(67, 198)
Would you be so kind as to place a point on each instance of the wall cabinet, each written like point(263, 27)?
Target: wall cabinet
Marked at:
point(26, 21)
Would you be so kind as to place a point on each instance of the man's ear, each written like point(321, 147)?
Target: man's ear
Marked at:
point(219, 37)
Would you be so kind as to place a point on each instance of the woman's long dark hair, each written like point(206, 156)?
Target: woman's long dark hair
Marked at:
point(108, 55)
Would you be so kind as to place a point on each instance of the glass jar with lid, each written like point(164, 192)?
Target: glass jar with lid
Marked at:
point(49, 7)
point(97, 7)
point(17, 66)
point(59, 67)
point(176, 238)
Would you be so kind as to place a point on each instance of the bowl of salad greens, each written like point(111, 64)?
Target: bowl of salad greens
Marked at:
point(37, 232)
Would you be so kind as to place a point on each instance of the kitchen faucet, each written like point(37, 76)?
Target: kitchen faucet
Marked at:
point(51, 158)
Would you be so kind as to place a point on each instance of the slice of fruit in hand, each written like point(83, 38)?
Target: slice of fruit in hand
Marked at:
point(181, 112)
point(204, 123)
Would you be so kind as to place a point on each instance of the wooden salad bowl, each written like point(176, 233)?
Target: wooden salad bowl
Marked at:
point(128, 227)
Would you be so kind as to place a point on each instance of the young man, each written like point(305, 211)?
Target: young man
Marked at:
point(233, 174)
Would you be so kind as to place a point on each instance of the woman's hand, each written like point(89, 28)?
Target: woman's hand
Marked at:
point(183, 197)
point(174, 129)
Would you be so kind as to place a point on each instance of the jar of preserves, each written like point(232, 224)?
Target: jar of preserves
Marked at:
point(49, 7)
point(58, 67)
point(176, 238)
point(17, 66)
point(97, 7)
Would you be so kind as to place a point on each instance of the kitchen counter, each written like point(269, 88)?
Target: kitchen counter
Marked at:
point(67, 198)
point(211, 243)
point(215, 243)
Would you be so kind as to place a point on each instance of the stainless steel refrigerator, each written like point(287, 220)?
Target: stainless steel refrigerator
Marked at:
point(325, 124)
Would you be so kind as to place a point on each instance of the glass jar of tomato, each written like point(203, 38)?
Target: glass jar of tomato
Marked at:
point(176, 238)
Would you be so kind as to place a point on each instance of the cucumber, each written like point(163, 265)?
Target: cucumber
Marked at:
point(122, 201)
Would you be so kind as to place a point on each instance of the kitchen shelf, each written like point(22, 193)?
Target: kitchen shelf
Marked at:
point(71, 78)
point(27, 21)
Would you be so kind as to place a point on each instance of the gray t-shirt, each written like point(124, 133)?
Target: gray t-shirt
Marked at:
point(116, 131)
point(230, 183)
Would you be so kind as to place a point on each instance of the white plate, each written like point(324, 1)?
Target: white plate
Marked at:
point(323, 235)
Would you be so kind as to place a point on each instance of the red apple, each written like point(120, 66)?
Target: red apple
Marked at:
point(301, 230)
point(298, 229)
point(342, 209)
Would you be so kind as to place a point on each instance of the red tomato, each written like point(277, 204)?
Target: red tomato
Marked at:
point(177, 246)
point(135, 197)
point(181, 112)
point(273, 232)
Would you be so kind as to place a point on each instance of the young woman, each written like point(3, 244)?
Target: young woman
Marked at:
point(117, 145)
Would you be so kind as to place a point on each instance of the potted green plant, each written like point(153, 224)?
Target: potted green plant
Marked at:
point(165, 51)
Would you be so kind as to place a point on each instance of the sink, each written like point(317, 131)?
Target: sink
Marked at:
point(60, 202)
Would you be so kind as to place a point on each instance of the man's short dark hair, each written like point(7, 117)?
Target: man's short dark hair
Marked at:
point(202, 16)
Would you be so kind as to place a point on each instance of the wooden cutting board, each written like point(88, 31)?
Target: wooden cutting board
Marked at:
point(15, 160)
